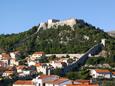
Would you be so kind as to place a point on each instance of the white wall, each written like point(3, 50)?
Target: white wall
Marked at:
point(60, 55)
point(113, 76)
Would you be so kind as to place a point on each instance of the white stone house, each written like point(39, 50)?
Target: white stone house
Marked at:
point(5, 58)
point(31, 63)
point(20, 68)
point(15, 54)
point(42, 67)
point(13, 62)
point(37, 55)
point(100, 73)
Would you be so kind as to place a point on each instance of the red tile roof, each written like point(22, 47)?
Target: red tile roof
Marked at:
point(39, 53)
point(21, 67)
point(9, 72)
point(82, 81)
point(23, 82)
point(102, 71)
point(45, 76)
point(82, 85)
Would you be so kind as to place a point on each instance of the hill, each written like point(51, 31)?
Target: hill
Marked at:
point(59, 37)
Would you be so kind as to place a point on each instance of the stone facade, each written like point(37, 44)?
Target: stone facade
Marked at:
point(55, 22)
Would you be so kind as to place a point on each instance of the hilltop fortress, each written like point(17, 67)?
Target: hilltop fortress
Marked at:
point(55, 22)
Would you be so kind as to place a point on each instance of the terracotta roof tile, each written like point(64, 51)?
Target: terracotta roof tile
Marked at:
point(39, 53)
point(82, 85)
point(45, 76)
point(21, 67)
point(102, 71)
point(82, 81)
point(23, 82)
point(11, 72)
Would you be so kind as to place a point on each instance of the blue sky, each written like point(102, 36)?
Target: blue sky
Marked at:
point(20, 15)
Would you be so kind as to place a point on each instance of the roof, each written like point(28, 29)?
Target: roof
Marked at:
point(45, 76)
point(24, 82)
point(39, 53)
point(82, 81)
point(82, 85)
point(21, 67)
point(58, 81)
point(102, 71)
point(11, 72)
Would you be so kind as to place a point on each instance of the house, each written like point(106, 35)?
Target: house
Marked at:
point(100, 73)
point(15, 54)
point(23, 70)
point(42, 79)
point(7, 73)
point(4, 57)
point(44, 68)
point(31, 63)
point(26, 72)
point(14, 62)
point(20, 68)
point(58, 82)
point(24, 83)
point(37, 55)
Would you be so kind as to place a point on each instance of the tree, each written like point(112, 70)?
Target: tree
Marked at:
point(69, 61)
point(56, 71)
point(73, 75)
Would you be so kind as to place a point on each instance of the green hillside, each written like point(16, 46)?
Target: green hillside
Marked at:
point(61, 39)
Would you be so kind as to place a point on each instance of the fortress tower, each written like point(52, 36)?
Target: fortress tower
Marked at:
point(103, 42)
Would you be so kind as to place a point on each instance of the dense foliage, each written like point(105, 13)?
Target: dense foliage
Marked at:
point(81, 74)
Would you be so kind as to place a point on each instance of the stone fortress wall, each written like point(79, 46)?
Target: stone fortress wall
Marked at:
point(52, 22)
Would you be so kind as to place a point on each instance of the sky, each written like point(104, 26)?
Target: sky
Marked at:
point(21, 15)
